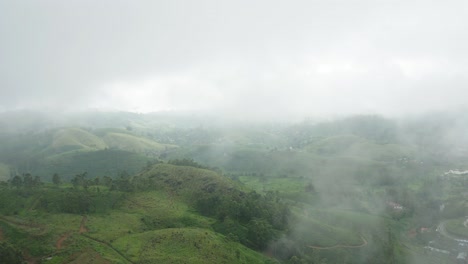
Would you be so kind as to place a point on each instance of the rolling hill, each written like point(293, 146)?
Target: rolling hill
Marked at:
point(76, 139)
point(134, 143)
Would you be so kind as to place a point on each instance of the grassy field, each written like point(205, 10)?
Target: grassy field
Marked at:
point(133, 143)
point(76, 138)
point(418, 255)
point(30, 237)
point(186, 245)
point(456, 227)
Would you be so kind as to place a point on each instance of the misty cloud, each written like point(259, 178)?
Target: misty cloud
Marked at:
point(269, 57)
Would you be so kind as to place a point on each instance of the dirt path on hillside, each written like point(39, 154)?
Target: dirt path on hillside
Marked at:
point(109, 246)
point(59, 244)
point(29, 259)
point(364, 243)
point(62, 238)
point(35, 202)
point(83, 228)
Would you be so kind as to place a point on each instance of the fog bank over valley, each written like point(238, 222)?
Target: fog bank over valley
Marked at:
point(234, 131)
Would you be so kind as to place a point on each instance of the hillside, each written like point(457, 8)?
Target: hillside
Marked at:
point(70, 151)
point(76, 138)
point(106, 225)
point(133, 143)
point(184, 179)
point(347, 191)
point(67, 139)
point(100, 163)
point(253, 219)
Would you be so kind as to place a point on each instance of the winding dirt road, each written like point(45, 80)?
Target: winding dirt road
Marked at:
point(443, 231)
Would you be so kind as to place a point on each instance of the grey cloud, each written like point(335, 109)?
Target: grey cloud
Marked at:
point(295, 57)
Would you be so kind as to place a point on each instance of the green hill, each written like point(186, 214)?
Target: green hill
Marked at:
point(119, 227)
point(186, 245)
point(186, 180)
point(71, 151)
point(252, 218)
point(68, 139)
point(76, 139)
point(133, 143)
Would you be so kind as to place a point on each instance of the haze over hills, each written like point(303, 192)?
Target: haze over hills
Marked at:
point(357, 189)
point(233, 131)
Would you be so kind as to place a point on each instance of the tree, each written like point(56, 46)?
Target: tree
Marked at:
point(260, 232)
point(309, 187)
point(123, 184)
point(17, 181)
point(3, 184)
point(107, 181)
point(56, 179)
point(9, 254)
point(96, 180)
point(37, 181)
point(80, 180)
point(28, 180)
point(77, 202)
point(295, 260)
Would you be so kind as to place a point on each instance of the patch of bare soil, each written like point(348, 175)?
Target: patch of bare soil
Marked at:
point(59, 244)
point(83, 229)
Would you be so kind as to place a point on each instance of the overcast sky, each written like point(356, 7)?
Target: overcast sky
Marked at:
point(258, 58)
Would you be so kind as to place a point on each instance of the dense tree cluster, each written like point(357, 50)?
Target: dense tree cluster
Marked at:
point(9, 254)
point(25, 180)
point(249, 217)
